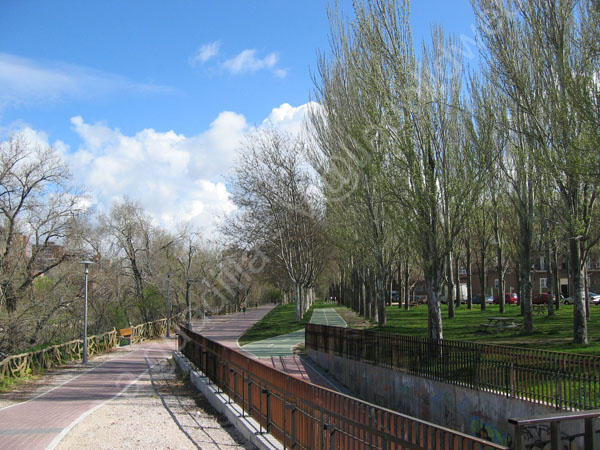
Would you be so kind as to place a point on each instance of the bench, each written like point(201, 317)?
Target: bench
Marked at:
point(126, 333)
point(540, 309)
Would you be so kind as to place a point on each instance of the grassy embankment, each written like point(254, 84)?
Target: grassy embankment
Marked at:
point(550, 333)
point(280, 320)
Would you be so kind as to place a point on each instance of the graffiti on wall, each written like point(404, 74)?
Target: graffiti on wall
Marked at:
point(487, 431)
point(537, 437)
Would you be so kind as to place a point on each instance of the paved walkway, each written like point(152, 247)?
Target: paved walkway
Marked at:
point(283, 345)
point(228, 329)
point(42, 421)
point(278, 351)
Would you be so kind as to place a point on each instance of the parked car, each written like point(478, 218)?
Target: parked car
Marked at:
point(541, 298)
point(477, 298)
point(594, 298)
point(510, 298)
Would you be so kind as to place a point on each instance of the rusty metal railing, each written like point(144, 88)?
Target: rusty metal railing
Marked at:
point(302, 415)
point(545, 431)
point(562, 380)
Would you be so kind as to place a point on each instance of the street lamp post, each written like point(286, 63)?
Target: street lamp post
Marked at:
point(168, 304)
point(86, 265)
point(188, 303)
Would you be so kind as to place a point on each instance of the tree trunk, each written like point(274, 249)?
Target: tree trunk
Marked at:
point(482, 279)
point(500, 269)
point(433, 283)
point(298, 301)
point(556, 277)
point(450, 292)
point(578, 276)
point(406, 285)
point(549, 280)
point(524, 266)
point(469, 284)
point(381, 294)
point(457, 281)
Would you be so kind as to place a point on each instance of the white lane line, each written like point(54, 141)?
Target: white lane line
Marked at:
point(69, 427)
point(74, 378)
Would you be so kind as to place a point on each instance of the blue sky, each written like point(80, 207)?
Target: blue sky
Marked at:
point(151, 99)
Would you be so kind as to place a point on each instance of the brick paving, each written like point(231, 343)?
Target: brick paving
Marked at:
point(40, 422)
point(37, 423)
point(228, 329)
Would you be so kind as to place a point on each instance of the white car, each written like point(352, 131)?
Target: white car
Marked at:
point(594, 298)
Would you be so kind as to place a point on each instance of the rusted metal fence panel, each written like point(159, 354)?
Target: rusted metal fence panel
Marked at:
point(565, 381)
point(302, 415)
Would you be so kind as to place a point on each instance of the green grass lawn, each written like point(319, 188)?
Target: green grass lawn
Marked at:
point(280, 320)
point(550, 333)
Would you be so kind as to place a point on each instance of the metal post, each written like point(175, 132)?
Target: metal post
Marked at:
point(293, 427)
point(590, 439)
point(85, 296)
point(268, 395)
point(518, 431)
point(555, 435)
point(189, 304)
point(85, 319)
point(331, 429)
point(168, 304)
point(250, 397)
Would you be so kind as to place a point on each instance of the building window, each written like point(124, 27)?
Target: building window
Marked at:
point(496, 283)
point(542, 284)
point(542, 263)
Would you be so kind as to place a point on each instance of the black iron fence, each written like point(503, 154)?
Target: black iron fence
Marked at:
point(562, 380)
point(302, 415)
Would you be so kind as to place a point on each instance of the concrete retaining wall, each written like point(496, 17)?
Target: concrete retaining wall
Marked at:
point(246, 425)
point(478, 413)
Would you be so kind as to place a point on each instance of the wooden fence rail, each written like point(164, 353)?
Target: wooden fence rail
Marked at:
point(563, 380)
point(15, 366)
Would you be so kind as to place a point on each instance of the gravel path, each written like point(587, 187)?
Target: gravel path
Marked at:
point(160, 411)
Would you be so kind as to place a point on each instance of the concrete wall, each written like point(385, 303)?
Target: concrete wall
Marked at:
point(477, 413)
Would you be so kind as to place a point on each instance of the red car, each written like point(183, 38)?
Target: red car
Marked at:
point(510, 298)
point(541, 299)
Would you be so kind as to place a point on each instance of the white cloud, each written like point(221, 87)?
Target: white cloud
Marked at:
point(206, 52)
point(176, 178)
point(289, 118)
point(247, 62)
point(24, 81)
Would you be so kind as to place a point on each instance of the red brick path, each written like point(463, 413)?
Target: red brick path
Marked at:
point(36, 423)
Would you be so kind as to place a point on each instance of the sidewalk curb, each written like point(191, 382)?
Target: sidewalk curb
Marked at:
point(246, 425)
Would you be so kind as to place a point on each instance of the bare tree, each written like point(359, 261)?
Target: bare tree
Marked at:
point(280, 211)
point(37, 206)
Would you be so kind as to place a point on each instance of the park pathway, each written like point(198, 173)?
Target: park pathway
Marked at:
point(43, 420)
point(278, 351)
